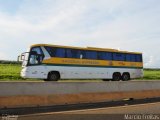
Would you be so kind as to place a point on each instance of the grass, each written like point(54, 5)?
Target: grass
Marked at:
point(11, 72)
point(151, 74)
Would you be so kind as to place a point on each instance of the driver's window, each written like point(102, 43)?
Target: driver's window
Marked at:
point(36, 56)
point(33, 59)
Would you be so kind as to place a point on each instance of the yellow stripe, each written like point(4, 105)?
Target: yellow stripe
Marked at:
point(104, 63)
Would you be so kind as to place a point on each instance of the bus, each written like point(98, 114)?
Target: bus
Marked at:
point(55, 62)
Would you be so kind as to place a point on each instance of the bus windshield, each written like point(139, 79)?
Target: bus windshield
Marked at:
point(33, 57)
point(36, 56)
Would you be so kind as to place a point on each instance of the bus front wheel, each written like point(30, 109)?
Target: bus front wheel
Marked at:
point(53, 76)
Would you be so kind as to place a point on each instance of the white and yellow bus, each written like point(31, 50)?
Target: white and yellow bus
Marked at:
point(54, 62)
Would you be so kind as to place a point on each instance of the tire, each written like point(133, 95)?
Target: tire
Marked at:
point(125, 77)
point(53, 76)
point(116, 77)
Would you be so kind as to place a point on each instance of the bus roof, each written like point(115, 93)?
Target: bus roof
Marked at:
point(87, 48)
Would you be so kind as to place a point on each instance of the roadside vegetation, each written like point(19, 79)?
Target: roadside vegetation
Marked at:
point(10, 70)
point(151, 74)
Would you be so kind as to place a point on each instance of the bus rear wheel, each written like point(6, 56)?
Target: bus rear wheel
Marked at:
point(125, 77)
point(53, 76)
point(116, 77)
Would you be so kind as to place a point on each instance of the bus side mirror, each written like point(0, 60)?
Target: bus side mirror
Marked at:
point(20, 57)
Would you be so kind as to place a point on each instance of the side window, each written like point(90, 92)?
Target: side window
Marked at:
point(123, 57)
point(83, 53)
point(51, 51)
point(139, 58)
point(119, 56)
point(91, 55)
point(109, 55)
point(56, 52)
point(133, 58)
point(68, 53)
point(60, 52)
point(104, 55)
point(128, 57)
point(76, 53)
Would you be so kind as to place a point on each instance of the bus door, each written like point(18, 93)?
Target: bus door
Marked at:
point(35, 67)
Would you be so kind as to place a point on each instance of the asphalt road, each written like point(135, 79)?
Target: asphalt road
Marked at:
point(149, 110)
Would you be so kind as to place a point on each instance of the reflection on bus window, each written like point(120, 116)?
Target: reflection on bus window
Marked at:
point(33, 59)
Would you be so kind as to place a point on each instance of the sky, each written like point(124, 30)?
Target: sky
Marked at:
point(131, 25)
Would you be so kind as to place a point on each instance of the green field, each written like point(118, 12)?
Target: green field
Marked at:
point(151, 74)
point(12, 72)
